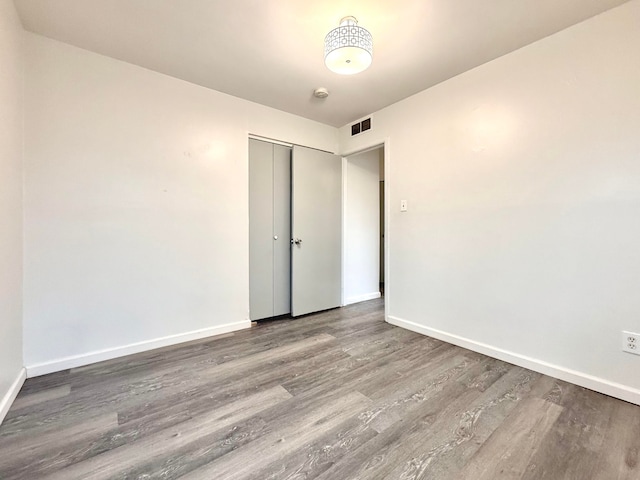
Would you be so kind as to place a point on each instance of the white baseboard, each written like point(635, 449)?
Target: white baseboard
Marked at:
point(110, 353)
point(362, 298)
point(597, 384)
point(12, 393)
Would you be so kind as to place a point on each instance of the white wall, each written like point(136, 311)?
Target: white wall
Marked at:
point(136, 198)
point(362, 227)
point(11, 77)
point(523, 182)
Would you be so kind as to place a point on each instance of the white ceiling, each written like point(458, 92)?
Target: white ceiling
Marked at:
point(271, 51)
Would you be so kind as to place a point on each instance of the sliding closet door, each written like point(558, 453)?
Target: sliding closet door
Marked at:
point(269, 229)
point(303, 192)
point(317, 230)
point(260, 229)
point(281, 230)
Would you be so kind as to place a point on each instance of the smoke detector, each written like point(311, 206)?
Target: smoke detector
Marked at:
point(321, 92)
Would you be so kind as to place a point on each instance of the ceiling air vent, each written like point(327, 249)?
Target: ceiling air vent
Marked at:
point(360, 127)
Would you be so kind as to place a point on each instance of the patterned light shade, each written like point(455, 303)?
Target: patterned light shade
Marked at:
point(348, 49)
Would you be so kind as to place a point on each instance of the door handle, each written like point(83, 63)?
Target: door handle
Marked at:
point(297, 241)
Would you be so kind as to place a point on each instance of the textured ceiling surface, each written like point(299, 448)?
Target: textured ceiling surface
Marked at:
point(271, 51)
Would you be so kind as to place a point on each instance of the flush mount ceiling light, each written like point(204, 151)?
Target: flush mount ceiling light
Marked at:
point(348, 49)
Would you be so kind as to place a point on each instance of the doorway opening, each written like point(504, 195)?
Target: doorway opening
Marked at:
point(364, 226)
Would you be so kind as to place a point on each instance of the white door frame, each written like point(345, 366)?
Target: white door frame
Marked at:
point(384, 143)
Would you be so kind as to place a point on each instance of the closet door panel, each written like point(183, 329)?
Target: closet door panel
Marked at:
point(260, 229)
point(316, 205)
point(281, 230)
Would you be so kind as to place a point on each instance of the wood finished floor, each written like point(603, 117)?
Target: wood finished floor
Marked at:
point(338, 395)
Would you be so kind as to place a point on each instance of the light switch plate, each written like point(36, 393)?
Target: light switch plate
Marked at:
point(403, 205)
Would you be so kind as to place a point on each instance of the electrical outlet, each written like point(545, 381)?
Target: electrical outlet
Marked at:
point(631, 342)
